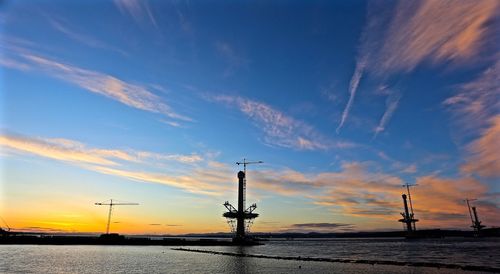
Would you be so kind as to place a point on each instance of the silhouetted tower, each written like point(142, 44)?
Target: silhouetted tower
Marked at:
point(476, 224)
point(244, 217)
point(408, 217)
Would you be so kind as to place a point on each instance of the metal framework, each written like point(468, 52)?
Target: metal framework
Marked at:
point(111, 204)
point(476, 224)
point(411, 204)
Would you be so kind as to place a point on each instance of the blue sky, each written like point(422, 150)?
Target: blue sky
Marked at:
point(154, 101)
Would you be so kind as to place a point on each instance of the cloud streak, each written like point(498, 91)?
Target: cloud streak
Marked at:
point(234, 60)
point(434, 30)
point(132, 95)
point(77, 152)
point(417, 32)
point(356, 191)
point(477, 101)
point(139, 10)
point(279, 128)
point(485, 152)
point(477, 108)
point(321, 227)
point(353, 88)
point(120, 163)
point(391, 104)
point(187, 183)
point(62, 150)
point(80, 37)
point(129, 94)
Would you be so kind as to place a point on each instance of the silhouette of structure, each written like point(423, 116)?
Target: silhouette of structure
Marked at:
point(476, 224)
point(111, 204)
point(7, 231)
point(408, 218)
point(244, 217)
point(411, 204)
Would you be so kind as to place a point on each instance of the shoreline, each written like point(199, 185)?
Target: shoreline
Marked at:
point(72, 240)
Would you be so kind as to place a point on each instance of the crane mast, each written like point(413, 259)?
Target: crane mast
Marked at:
point(111, 204)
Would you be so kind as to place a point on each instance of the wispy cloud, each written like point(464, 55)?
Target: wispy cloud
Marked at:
point(436, 31)
point(320, 227)
point(79, 153)
point(234, 61)
point(194, 174)
point(192, 158)
point(187, 183)
point(62, 150)
point(391, 104)
point(13, 64)
point(170, 123)
point(417, 32)
point(129, 94)
point(485, 152)
point(63, 27)
point(139, 10)
point(477, 109)
point(279, 128)
point(410, 169)
point(474, 103)
point(355, 191)
point(133, 95)
point(353, 88)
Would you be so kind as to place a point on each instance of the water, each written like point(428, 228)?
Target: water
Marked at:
point(457, 251)
point(162, 259)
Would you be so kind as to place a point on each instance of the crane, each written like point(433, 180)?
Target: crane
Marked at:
point(467, 200)
point(409, 199)
point(6, 225)
point(111, 204)
point(245, 163)
point(476, 224)
point(4, 232)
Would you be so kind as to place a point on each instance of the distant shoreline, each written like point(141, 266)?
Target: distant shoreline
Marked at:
point(430, 233)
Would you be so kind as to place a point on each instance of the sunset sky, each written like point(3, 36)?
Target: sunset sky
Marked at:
point(153, 102)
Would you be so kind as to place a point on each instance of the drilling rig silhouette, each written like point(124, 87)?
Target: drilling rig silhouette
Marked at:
point(243, 217)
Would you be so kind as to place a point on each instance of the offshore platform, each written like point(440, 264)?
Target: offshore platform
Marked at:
point(243, 217)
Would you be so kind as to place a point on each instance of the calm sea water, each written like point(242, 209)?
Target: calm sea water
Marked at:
point(459, 251)
point(162, 259)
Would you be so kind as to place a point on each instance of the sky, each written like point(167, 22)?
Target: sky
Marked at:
point(154, 102)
